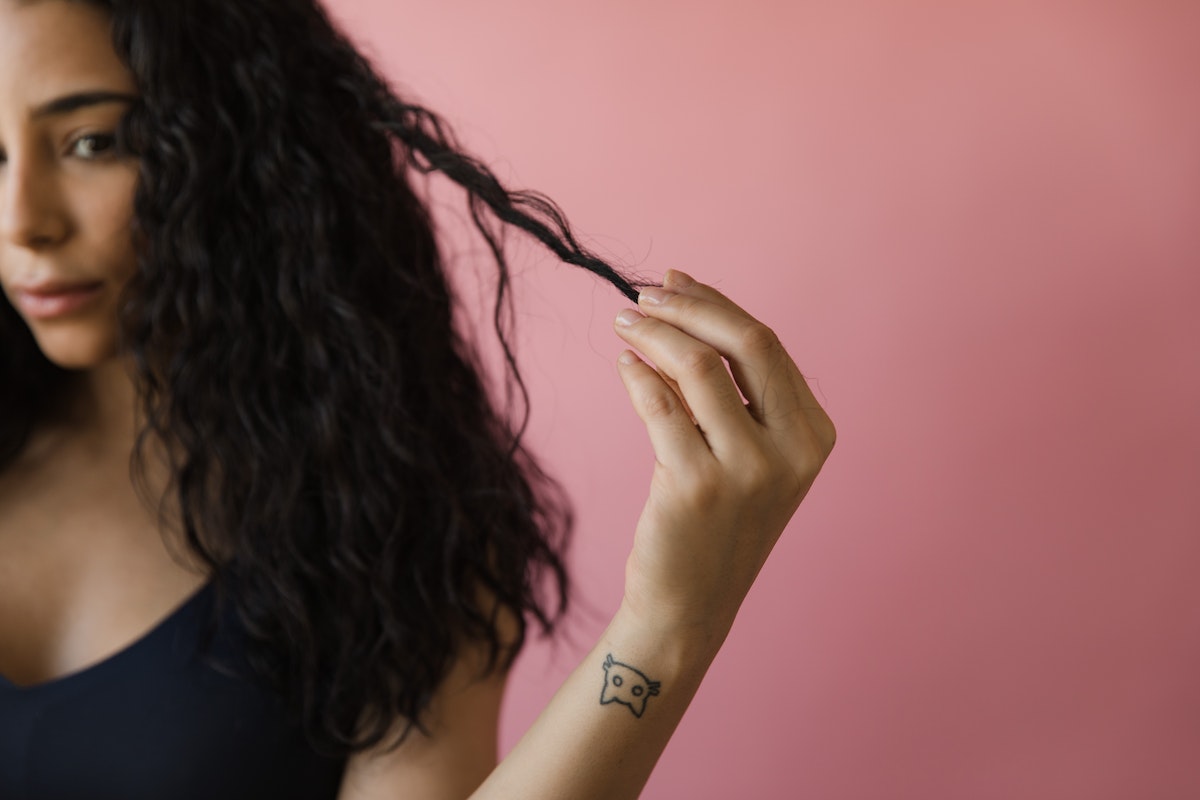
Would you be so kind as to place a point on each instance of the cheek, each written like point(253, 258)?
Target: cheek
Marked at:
point(108, 215)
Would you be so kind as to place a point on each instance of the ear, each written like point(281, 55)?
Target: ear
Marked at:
point(652, 687)
point(608, 662)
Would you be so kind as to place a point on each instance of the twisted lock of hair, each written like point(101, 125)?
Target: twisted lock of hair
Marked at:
point(436, 150)
point(427, 136)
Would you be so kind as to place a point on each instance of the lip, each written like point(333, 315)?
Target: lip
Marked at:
point(54, 287)
point(55, 298)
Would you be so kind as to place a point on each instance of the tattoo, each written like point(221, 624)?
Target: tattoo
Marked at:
point(625, 685)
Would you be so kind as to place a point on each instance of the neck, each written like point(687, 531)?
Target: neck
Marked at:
point(95, 426)
point(93, 421)
point(102, 404)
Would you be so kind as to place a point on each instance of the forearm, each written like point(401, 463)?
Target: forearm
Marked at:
point(735, 455)
point(580, 748)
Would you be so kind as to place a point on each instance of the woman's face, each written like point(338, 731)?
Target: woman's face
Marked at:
point(66, 198)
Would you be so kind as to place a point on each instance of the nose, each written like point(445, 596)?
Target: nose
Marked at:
point(31, 214)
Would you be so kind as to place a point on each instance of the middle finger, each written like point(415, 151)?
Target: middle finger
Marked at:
point(703, 379)
point(762, 369)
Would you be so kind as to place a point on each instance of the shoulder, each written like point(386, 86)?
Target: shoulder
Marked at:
point(458, 748)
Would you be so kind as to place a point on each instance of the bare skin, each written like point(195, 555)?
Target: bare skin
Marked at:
point(84, 569)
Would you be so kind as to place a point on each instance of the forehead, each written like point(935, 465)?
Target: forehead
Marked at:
point(48, 47)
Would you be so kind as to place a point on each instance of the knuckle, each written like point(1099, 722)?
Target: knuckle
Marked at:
point(701, 361)
point(758, 338)
point(824, 433)
point(811, 453)
point(659, 404)
point(828, 435)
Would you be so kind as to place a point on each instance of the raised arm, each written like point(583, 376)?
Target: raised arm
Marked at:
point(724, 487)
point(728, 476)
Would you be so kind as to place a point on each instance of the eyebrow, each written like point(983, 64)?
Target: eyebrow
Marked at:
point(73, 102)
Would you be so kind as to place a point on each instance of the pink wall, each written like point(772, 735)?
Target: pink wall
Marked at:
point(977, 227)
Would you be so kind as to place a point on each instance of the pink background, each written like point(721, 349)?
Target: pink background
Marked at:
point(976, 225)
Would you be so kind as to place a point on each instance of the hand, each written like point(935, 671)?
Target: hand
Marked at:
point(728, 475)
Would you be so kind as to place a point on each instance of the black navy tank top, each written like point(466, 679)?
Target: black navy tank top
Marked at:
point(157, 720)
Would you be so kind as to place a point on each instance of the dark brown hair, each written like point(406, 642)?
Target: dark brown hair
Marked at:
point(342, 464)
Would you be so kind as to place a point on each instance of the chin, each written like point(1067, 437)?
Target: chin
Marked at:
point(76, 350)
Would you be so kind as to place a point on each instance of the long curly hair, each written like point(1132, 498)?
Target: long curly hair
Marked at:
point(336, 455)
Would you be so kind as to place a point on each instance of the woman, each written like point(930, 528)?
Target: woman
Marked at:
point(261, 532)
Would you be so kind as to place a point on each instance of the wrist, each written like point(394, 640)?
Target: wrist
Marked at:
point(678, 644)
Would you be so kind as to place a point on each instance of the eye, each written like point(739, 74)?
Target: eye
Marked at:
point(617, 680)
point(637, 691)
point(101, 142)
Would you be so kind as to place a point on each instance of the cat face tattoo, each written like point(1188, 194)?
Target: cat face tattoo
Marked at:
point(625, 685)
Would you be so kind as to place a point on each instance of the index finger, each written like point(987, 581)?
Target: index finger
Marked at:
point(765, 373)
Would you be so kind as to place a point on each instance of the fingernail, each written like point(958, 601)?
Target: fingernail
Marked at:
point(628, 317)
point(680, 279)
point(653, 295)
